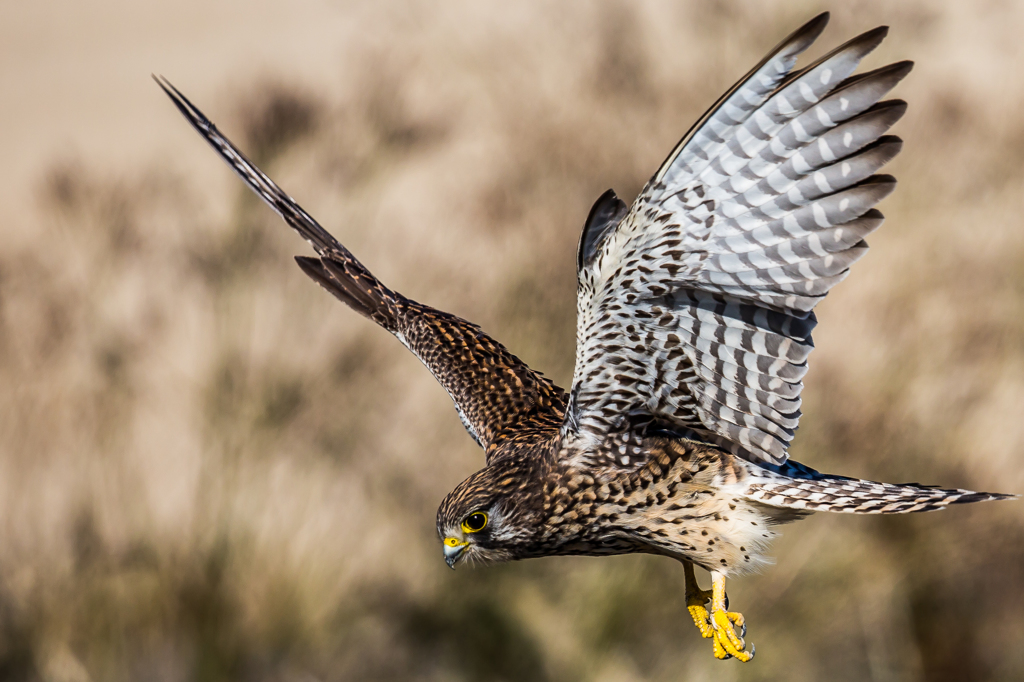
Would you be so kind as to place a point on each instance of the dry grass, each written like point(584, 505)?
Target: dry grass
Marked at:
point(212, 471)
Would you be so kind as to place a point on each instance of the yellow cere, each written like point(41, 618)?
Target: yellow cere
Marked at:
point(454, 542)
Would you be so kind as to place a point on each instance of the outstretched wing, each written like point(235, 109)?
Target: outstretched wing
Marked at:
point(497, 396)
point(694, 309)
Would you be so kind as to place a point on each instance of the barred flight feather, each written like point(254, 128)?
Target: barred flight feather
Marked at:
point(498, 398)
point(696, 307)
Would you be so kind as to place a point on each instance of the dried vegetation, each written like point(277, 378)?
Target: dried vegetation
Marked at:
point(210, 470)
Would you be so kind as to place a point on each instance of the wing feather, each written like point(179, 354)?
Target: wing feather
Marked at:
point(696, 310)
point(497, 396)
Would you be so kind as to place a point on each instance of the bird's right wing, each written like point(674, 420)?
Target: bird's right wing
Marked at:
point(695, 306)
point(497, 396)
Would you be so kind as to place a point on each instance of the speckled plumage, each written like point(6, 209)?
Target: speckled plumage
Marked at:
point(694, 320)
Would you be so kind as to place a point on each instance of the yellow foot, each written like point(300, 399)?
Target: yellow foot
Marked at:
point(728, 643)
point(720, 624)
point(695, 602)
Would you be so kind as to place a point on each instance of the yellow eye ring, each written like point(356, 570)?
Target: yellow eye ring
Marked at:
point(474, 523)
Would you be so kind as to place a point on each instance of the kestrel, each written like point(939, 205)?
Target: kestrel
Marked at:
point(694, 318)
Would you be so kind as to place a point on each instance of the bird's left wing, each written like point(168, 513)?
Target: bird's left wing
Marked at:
point(497, 396)
point(694, 308)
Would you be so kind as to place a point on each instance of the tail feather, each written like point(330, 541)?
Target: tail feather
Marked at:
point(795, 486)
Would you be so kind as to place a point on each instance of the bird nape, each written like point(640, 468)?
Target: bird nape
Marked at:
point(694, 319)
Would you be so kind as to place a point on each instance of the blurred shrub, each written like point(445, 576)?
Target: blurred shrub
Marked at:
point(211, 471)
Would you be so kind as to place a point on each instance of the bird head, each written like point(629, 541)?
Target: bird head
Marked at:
point(488, 517)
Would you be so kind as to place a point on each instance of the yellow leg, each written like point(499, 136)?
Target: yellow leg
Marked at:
point(696, 598)
point(728, 644)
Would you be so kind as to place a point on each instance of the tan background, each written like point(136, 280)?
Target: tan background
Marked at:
point(209, 470)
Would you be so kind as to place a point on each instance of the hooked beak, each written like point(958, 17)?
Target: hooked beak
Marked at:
point(453, 548)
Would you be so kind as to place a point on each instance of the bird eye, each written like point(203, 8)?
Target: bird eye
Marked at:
point(474, 522)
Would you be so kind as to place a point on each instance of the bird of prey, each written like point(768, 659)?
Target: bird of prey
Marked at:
point(694, 318)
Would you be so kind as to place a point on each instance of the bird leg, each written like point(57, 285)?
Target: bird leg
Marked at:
point(696, 598)
point(728, 643)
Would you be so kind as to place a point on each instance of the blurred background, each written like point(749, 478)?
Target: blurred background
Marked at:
point(211, 470)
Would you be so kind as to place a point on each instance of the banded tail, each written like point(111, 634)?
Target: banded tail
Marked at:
point(795, 486)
